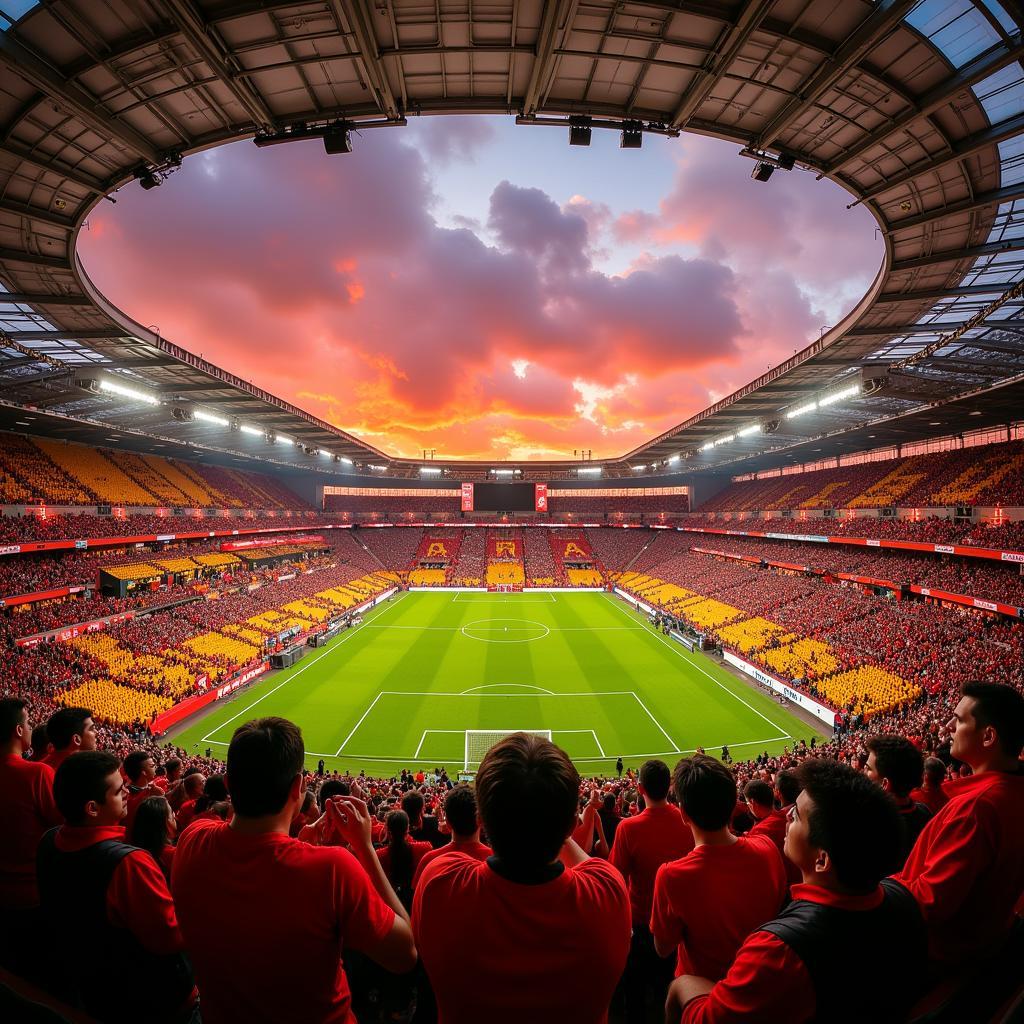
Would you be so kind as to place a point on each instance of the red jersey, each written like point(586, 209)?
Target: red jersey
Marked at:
point(186, 815)
point(135, 797)
point(504, 952)
point(265, 918)
point(642, 844)
point(419, 850)
point(27, 812)
point(471, 847)
point(966, 869)
point(56, 757)
point(774, 826)
point(708, 902)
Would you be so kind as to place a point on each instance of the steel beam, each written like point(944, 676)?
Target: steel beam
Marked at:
point(983, 200)
point(970, 252)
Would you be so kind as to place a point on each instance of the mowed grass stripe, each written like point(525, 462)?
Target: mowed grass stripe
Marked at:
point(596, 645)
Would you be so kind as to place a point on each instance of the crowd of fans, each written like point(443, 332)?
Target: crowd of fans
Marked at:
point(259, 890)
point(43, 470)
point(984, 475)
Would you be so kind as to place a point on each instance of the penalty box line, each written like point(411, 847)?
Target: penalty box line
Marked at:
point(474, 692)
point(462, 732)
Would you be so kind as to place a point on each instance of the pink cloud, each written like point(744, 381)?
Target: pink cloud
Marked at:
point(329, 282)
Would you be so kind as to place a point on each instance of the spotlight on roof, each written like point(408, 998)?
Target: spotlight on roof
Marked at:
point(579, 131)
point(145, 177)
point(337, 140)
point(632, 136)
point(762, 171)
point(787, 161)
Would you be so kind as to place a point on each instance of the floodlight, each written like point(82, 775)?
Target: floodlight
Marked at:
point(590, 470)
point(726, 439)
point(337, 140)
point(838, 396)
point(762, 171)
point(672, 459)
point(209, 417)
point(145, 177)
point(255, 431)
point(125, 392)
point(707, 446)
point(747, 431)
point(429, 471)
point(801, 410)
point(637, 469)
point(579, 131)
point(632, 136)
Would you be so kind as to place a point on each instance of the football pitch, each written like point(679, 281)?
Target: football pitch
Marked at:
point(405, 687)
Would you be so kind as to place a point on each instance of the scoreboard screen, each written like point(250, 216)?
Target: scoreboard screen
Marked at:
point(504, 497)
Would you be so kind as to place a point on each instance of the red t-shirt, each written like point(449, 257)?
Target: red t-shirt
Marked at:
point(186, 815)
point(507, 952)
point(933, 799)
point(419, 850)
point(708, 902)
point(774, 826)
point(471, 847)
point(642, 844)
point(27, 812)
point(265, 919)
point(966, 869)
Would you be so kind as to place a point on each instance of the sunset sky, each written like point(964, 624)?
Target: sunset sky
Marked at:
point(483, 289)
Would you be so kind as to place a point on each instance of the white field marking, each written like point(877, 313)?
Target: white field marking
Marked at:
point(527, 626)
point(523, 686)
point(656, 722)
point(462, 597)
point(655, 753)
point(359, 723)
point(330, 650)
point(683, 654)
point(550, 629)
point(463, 693)
point(600, 749)
point(426, 732)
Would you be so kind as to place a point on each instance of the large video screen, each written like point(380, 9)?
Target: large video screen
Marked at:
point(503, 497)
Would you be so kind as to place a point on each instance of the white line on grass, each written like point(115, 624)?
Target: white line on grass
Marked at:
point(550, 629)
point(523, 686)
point(284, 682)
point(506, 696)
point(600, 749)
point(678, 650)
point(656, 722)
point(360, 722)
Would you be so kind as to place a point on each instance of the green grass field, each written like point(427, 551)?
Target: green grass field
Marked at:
point(402, 689)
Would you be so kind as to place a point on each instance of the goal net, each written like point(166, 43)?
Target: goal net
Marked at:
point(479, 741)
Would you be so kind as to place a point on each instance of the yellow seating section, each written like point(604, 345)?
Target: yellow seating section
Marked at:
point(505, 573)
point(93, 469)
point(540, 581)
point(217, 559)
point(219, 648)
point(799, 658)
point(135, 571)
point(141, 670)
point(176, 564)
point(584, 577)
point(749, 634)
point(426, 577)
point(195, 493)
point(121, 705)
point(872, 689)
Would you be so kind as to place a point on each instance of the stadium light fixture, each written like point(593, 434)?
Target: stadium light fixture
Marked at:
point(113, 388)
point(726, 439)
point(637, 469)
point(632, 136)
point(503, 472)
point(429, 471)
point(839, 396)
point(672, 460)
point(801, 410)
point(747, 431)
point(589, 470)
point(337, 139)
point(346, 460)
point(707, 446)
point(255, 431)
point(579, 131)
point(285, 440)
point(209, 417)
point(379, 469)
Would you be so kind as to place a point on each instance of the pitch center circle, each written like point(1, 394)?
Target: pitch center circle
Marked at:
point(505, 631)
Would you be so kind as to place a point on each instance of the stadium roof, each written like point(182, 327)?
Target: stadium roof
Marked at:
point(916, 107)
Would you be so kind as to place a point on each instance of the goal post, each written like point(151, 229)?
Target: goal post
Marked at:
point(479, 741)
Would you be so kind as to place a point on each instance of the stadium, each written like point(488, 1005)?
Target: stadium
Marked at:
point(446, 616)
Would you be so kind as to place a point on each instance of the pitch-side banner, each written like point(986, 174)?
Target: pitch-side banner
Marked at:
point(540, 497)
point(467, 497)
